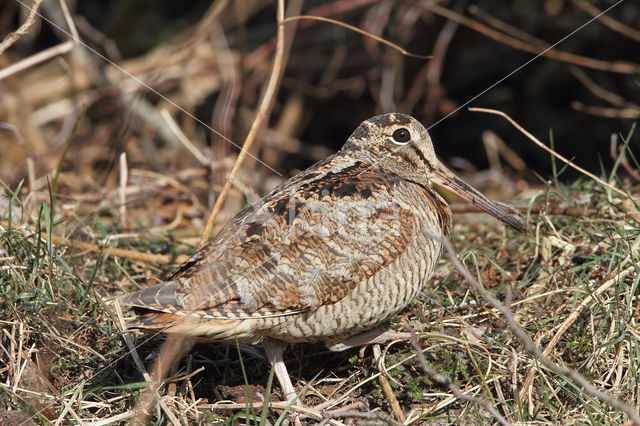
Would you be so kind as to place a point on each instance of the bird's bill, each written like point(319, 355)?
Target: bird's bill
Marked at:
point(446, 178)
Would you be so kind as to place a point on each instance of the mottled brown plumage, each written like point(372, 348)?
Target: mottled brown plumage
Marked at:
point(330, 253)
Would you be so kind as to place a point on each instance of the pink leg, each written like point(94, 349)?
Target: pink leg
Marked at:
point(274, 350)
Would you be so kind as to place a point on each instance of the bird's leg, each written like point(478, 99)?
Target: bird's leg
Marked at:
point(374, 336)
point(377, 335)
point(274, 350)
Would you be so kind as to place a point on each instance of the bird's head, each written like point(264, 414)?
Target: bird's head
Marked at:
point(399, 144)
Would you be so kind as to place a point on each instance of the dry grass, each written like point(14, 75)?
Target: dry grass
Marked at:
point(80, 225)
point(64, 358)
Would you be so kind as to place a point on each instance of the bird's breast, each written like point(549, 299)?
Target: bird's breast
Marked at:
point(390, 288)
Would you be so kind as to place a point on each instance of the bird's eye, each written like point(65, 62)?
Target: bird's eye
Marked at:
point(401, 136)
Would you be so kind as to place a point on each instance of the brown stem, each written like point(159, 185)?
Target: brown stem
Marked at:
point(263, 112)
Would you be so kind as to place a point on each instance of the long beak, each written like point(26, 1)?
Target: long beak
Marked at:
point(502, 212)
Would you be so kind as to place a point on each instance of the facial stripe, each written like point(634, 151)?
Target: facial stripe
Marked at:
point(419, 153)
point(406, 158)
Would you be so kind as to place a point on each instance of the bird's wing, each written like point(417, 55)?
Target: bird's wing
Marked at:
point(309, 243)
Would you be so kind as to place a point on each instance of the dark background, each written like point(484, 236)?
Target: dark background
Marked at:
point(539, 96)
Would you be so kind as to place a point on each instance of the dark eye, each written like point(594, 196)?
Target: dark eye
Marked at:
point(402, 135)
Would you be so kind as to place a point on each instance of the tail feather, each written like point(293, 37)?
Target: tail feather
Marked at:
point(162, 297)
point(195, 328)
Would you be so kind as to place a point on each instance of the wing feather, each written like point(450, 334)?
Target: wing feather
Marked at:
point(309, 243)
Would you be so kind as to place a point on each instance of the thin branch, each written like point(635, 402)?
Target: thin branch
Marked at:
point(430, 75)
point(622, 67)
point(69, 19)
point(357, 30)
point(202, 159)
point(599, 91)
point(504, 27)
point(257, 405)
point(616, 26)
point(122, 188)
point(549, 150)
point(555, 210)
point(36, 59)
point(263, 111)
point(13, 37)
point(623, 113)
point(386, 387)
point(150, 258)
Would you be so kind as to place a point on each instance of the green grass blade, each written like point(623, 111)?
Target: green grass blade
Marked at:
point(248, 395)
point(12, 200)
point(74, 133)
point(265, 404)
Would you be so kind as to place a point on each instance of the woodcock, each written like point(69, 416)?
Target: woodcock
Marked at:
point(326, 256)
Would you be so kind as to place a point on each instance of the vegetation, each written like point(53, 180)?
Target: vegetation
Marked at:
point(105, 187)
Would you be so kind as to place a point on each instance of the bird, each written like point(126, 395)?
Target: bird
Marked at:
point(327, 256)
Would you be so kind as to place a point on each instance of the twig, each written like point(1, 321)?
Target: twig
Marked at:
point(557, 210)
point(530, 345)
point(171, 225)
point(173, 126)
point(151, 391)
point(113, 419)
point(39, 57)
point(489, 140)
point(110, 47)
point(431, 73)
point(339, 7)
point(549, 150)
point(185, 376)
point(624, 113)
point(154, 259)
point(122, 188)
point(386, 388)
point(503, 26)
point(334, 8)
point(67, 17)
point(373, 415)
point(13, 37)
point(148, 113)
point(357, 30)
point(599, 91)
point(621, 67)
point(619, 27)
point(224, 111)
point(506, 152)
point(310, 412)
point(261, 115)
